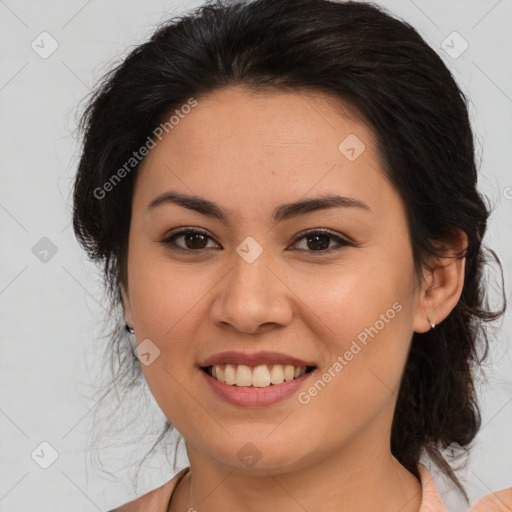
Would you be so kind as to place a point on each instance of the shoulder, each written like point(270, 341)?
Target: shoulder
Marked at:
point(500, 501)
point(156, 500)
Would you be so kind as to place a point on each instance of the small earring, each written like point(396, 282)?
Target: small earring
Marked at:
point(131, 330)
point(432, 324)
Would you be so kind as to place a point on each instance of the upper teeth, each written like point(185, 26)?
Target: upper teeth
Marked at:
point(258, 376)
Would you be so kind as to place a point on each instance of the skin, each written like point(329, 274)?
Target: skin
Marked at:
point(249, 153)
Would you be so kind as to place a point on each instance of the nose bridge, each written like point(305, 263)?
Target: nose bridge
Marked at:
point(250, 274)
point(251, 293)
point(251, 280)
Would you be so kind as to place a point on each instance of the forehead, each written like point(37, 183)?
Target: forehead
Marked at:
point(269, 118)
point(238, 147)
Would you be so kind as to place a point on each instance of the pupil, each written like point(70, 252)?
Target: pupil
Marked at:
point(316, 237)
point(190, 238)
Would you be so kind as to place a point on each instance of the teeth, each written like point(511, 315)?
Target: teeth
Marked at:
point(288, 372)
point(230, 375)
point(257, 376)
point(277, 374)
point(243, 376)
point(218, 374)
point(260, 376)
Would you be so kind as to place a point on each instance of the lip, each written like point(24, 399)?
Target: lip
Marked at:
point(256, 397)
point(254, 359)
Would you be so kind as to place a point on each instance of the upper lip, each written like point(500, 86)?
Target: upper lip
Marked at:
point(254, 359)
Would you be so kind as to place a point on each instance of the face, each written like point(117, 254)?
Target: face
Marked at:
point(325, 286)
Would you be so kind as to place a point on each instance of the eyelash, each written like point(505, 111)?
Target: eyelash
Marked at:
point(170, 241)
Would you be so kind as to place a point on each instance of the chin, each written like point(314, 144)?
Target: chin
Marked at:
point(260, 457)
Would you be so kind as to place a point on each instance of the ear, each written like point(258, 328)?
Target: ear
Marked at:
point(126, 306)
point(442, 284)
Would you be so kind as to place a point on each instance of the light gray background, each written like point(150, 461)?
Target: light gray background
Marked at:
point(50, 324)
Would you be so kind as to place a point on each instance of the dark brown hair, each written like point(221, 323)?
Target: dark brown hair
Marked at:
point(381, 68)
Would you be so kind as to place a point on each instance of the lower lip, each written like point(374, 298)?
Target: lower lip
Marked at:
point(255, 397)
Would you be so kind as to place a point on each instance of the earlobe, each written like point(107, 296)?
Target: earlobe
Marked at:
point(442, 287)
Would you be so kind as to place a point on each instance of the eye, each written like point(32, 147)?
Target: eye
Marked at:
point(194, 240)
point(316, 240)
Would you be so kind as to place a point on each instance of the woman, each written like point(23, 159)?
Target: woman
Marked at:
point(283, 195)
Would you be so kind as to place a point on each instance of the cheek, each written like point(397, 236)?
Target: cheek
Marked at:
point(365, 314)
point(347, 298)
point(168, 302)
point(165, 294)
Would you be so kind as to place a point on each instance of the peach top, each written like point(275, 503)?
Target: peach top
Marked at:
point(158, 500)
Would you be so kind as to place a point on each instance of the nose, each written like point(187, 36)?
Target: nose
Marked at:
point(252, 297)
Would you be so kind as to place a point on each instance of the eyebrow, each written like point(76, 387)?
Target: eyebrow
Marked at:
point(279, 214)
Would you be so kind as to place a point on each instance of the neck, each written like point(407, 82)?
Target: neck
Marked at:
point(358, 480)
